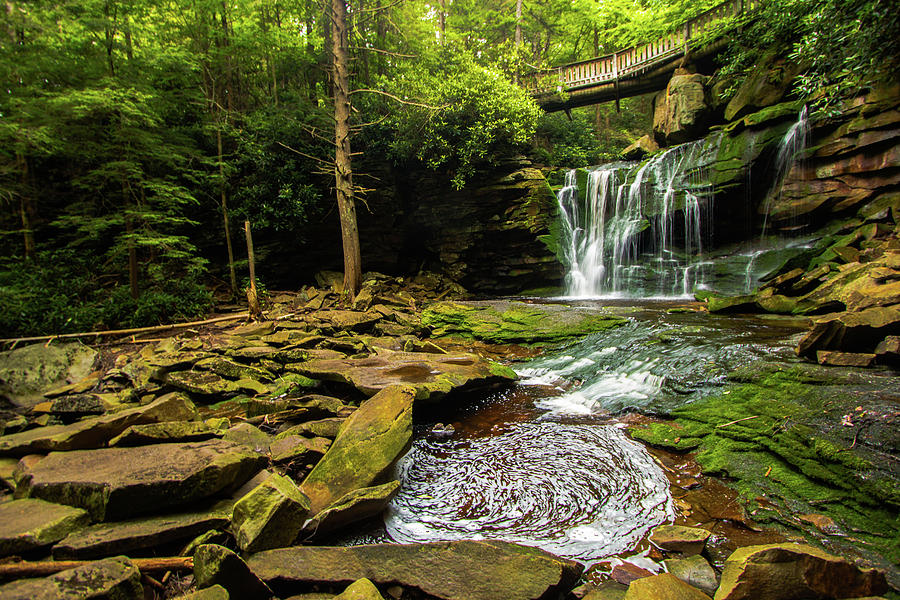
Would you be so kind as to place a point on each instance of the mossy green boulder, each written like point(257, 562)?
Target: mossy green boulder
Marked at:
point(352, 507)
point(270, 516)
point(512, 322)
point(368, 445)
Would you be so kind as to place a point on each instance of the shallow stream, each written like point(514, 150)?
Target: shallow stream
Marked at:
point(547, 462)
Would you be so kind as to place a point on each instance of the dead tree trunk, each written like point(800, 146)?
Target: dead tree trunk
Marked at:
point(343, 171)
point(224, 200)
point(253, 306)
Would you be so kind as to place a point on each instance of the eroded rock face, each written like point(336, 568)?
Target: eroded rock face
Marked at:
point(681, 112)
point(108, 579)
point(787, 571)
point(27, 372)
point(117, 483)
point(448, 570)
point(368, 445)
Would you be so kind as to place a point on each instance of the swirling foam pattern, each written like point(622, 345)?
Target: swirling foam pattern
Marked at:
point(579, 491)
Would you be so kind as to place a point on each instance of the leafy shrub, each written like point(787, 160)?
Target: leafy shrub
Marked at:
point(61, 293)
point(463, 115)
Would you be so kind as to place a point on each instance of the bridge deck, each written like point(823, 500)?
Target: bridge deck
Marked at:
point(629, 72)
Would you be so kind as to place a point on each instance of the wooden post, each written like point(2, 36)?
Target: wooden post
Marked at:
point(252, 299)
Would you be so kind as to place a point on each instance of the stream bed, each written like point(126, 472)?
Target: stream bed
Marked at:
point(547, 462)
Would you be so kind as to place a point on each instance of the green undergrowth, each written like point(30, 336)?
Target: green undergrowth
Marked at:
point(777, 437)
point(513, 323)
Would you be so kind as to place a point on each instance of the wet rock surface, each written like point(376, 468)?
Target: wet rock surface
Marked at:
point(153, 467)
point(116, 483)
point(451, 571)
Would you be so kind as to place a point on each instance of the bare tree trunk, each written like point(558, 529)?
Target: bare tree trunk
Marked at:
point(132, 260)
point(343, 171)
point(442, 21)
point(253, 308)
point(26, 209)
point(224, 199)
point(518, 23)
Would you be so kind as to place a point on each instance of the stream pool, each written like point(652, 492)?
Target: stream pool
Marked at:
point(547, 462)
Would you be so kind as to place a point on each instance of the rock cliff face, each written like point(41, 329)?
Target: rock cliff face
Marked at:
point(487, 236)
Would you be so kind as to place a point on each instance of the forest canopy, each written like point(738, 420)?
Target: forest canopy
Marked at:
point(129, 129)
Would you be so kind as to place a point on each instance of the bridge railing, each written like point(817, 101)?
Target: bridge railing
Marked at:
point(634, 60)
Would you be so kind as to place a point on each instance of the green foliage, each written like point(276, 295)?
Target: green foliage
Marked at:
point(270, 183)
point(593, 135)
point(63, 292)
point(465, 115)
point(844, 45)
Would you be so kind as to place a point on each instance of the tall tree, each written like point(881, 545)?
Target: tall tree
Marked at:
point(343, 170)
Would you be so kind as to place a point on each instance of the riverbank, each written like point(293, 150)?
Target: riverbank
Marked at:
point(240, 440)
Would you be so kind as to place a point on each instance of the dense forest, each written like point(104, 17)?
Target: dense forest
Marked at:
point(137, 136)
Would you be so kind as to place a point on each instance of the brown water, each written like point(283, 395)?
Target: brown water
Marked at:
point(547, 463)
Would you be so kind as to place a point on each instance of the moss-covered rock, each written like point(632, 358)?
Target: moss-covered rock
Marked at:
point(28, 524)
point(432, 375)
point(271, 515)
point(116, 483)
point(778, 435)
point(510, 322)
point(126, 537)
point(111, 578)
point(476, 570)
point(780, 571)
point(373, 438)
point(95, 432)
point(353, 507)
point(216, 565)
point(170, 431)
point(27, 372)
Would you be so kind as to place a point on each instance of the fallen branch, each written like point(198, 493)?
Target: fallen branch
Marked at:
point(66, 336)
point(42, 569)
point(736, 421)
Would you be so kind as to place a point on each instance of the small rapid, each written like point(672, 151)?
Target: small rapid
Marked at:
point(547, 463)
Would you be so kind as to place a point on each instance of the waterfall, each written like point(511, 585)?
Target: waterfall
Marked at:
point(637, 231)
point(790, 148)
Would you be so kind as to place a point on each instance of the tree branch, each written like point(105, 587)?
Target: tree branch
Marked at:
point(400, 100)
point(330, 163)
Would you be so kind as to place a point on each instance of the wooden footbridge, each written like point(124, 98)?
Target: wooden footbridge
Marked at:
point(634, 71)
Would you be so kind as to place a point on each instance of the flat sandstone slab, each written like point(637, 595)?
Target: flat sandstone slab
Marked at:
point(117, 483)
point(466, 570)
point(433, 375)
point(29, 524)
point(124, 537)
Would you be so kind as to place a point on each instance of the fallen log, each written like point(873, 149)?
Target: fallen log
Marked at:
point(135, 331)
point(24, 568)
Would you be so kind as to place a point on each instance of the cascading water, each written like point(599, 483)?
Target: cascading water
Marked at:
point(790, 150)
point(637, 231)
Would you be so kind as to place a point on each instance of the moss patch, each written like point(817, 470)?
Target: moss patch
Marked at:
point(778, 435)
point(507, 322)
